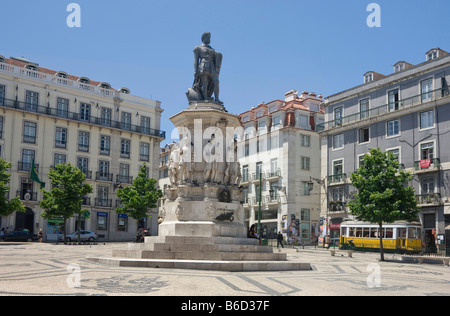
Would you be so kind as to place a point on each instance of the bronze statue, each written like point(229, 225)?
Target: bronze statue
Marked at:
point(207, 63)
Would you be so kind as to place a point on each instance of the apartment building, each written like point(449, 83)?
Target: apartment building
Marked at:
point(280, 156)
point(407, 113)
point(51, 117)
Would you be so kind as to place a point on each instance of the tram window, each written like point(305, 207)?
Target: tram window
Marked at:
point(359, 232)
point(352, 231)
point(401, 233)
point(366, 232)
point(389, 233)
point(373, 233)
point(413, 232)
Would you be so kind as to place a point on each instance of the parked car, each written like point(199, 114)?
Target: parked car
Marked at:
point(84, 236)
point(19, 236)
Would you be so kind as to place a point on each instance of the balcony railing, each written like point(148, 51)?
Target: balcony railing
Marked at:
point(273, 174)
point(103, 202)
point(26, 196)
point(102, 176)
point(46, 110)
point(336, 206)
point(124, 179)
point(429, 199)
point(384, 109)
point(427, 164)
point(337, 178)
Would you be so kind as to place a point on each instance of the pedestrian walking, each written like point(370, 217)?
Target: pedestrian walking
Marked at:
point(40, 235)
point(280, 240)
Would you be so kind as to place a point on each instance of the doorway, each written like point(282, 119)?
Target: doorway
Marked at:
point(25, 220)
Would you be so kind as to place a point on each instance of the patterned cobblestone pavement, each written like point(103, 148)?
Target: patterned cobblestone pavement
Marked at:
point(49, 269)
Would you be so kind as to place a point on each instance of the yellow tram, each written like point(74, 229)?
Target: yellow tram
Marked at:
point(399, 236)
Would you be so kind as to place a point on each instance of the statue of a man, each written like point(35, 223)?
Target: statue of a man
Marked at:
point(207, 64)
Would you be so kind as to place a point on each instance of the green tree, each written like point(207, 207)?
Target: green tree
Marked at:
point(140, 197)
point(66, 195)
point(383, 194)
point(7, 207)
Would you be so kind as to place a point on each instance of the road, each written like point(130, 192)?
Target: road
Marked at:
point(49, 269)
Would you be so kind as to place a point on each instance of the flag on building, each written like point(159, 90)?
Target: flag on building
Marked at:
point(34, 176)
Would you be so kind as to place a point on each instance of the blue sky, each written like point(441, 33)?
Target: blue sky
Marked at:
point(269, 47)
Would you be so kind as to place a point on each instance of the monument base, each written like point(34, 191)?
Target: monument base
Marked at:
point(202, 253)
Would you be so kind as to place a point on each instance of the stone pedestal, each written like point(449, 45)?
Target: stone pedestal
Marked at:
point(202, 218)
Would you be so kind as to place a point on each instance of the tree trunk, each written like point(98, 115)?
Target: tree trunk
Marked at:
point(79, 227)
point(64, 230)
point(381, 242)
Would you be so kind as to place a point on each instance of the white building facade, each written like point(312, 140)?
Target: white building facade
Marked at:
point(281, 145)
point(51, 117)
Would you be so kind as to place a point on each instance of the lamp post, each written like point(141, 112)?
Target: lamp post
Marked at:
point(259, 207)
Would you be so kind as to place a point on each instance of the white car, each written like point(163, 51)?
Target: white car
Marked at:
point(84, 236)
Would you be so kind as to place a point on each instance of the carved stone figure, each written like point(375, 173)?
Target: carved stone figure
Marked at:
point(173, 165)
point(207, 64)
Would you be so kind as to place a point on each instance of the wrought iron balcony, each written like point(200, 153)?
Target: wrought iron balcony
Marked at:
point(429, 199)
point(54, 112)
point(385, 109)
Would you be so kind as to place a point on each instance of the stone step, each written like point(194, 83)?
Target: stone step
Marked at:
point(230, 266)
point(191, 255)
point(201, 240)
point(210, 248)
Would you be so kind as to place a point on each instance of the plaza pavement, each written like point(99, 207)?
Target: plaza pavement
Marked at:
point(49, 269)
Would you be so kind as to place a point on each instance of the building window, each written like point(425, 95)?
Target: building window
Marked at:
point(85, 112)
point(338, 167)
point(304, 121)
point(427, 119)
point(105, 145)
point(1, 127)
point(396, 153)
point(338, 141)
point(305, 140)
point(29, 132)
point(305, 188)
point(102, 220)
point(393, 128)
point(27, 159)
point(427, 151)
point(305, 214)
point(393, 98)
point(126, 120)
point(61, 137)
point(62, 107)
point(368, 78)
point(122, 222)
point(2, 95)
point(106, 117)
point(124, 173)
point(305, 163)
point(246, 149)
point(83, 141)
point(145, 152)
point(427, 185)
point(338, 115)
point(244, 173)
point(364, 108)
point(125, 148)
point(338, 194)
point(259, 169)
point(32, 100)
point(432, 55)
point(59, 159)
point(426, 88)
point(145, 124)
point(363, 135)
point(83, 165)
